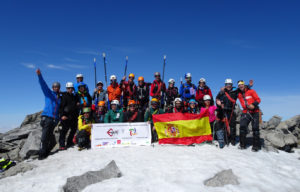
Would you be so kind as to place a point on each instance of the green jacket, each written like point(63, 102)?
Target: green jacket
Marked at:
point(113, 116)
point(150, 112)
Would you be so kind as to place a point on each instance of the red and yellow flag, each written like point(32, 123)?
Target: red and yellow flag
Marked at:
point(182, 128)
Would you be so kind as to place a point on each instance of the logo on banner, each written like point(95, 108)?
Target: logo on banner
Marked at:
point(132, 131)
point(111, 132)
point(171, 131)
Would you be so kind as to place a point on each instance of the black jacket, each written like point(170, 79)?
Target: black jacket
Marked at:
point(228, 105)
point(128, 114)
point(68, 106)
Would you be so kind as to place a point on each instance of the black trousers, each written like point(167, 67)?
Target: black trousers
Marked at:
point(83, 139)
point(66, 125)
point(231, 116)
point(246, 118)
point(48, 139)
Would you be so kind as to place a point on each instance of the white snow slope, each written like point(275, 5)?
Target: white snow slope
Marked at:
point(164, 168)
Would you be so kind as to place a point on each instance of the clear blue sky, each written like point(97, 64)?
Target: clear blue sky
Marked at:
point(213, 39)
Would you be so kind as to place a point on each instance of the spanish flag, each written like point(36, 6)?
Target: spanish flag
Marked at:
point(182, 128)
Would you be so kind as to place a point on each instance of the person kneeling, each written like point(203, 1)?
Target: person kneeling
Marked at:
point(84, 129)
point(133, 115)
point(115, 115)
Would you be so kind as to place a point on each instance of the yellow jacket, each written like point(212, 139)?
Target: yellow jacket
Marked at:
point(82, 126)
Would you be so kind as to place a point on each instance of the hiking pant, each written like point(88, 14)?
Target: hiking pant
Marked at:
point(231, 116)
point(154, 136)
point(220, 132)
point(66, 125)
point(246, 118)
point(83, 139)
point(47, 139)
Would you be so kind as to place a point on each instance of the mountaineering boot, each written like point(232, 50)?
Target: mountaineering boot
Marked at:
point(256, 142)
point(242, 141)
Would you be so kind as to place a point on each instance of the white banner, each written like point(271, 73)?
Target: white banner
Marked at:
point(120, 134)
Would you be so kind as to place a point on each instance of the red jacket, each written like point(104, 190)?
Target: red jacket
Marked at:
point(251, 97)
point(157, 88)
point(128, 92)
point(200, 93)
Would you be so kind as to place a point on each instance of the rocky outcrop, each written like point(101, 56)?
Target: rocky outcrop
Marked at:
point(283, 135)
point(19, 168)
point(225, 177)
point(22, 142)
point(78, 183)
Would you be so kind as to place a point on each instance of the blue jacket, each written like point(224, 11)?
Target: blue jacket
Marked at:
point(52, 100)
point(187, 91)
point(76, 87)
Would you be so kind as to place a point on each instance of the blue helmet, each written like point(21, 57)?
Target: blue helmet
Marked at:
point(192, 101)
point(188, 75)
point(81, 84)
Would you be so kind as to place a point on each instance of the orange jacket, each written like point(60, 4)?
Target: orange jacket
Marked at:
point(251, 97)
point(114, 93)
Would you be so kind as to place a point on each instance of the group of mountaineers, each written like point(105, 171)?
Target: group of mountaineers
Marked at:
point(77, 110)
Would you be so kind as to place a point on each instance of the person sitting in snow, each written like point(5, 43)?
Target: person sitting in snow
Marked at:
point(85, 122)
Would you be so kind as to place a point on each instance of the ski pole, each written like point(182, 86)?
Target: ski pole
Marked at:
point(95, 72)
point(104, 60)
point(126, 66)
point(163, 76)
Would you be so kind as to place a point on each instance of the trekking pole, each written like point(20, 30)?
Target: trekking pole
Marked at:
point(126, 66)
point(95, 72)
point(163, 76)
point(105, 75)
point(104, 60)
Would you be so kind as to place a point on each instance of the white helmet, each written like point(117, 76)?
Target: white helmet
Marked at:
point(171, 81)
point(206, 97)
point(79, 75)
point(114, 102)
point(99, 82)
point(202, 80)
point(156, 74)
point(228, 81)
point(113, 77)
point(69, 85)
point(177, 100)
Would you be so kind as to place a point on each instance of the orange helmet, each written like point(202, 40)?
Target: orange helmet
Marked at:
point(101, 103)
point(131, 102)
point(141, 79)
point(131, 75)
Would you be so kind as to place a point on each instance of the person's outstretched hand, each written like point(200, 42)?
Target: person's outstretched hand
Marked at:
point(38, 71)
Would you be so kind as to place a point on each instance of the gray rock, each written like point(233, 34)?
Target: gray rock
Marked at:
point(292, 122)
point(290, 139)
point(274, 122)
point(14, 154)
point(29, 119)
point(19, 168)
point(32, 144)
point(225, 177)
point(276, 139)
point(282, 125)
point(21, 133)
point(78, 183)
point(268, 147)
